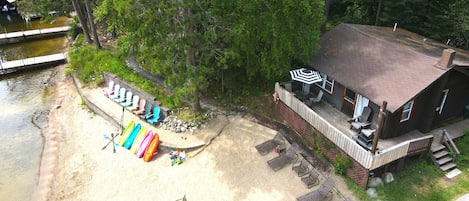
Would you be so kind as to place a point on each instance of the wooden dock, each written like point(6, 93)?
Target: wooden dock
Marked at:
point(14, 37)
point(33, 62)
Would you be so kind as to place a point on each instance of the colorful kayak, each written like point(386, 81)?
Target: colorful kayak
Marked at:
point(138, 140)
point(152, 148)
point(130, 140)
point(126, 133)
point(146, 141)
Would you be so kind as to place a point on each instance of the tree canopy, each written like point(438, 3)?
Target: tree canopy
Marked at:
point(198, 44)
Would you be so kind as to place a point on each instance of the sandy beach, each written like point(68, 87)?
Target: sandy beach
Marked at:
point(74, 167)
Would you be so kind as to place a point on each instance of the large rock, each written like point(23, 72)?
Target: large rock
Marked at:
point(375, 182)
point(388, 178)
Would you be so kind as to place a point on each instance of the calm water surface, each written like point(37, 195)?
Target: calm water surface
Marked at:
point(24, 103)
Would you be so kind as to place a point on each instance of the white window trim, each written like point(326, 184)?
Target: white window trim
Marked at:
point(443, 101)
point(407, 110)
point(323, 83)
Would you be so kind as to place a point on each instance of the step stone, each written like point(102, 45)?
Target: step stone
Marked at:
point(440, 154)
point(443, 160)
point(453, 173)
point(447, 166)
point(437, 148)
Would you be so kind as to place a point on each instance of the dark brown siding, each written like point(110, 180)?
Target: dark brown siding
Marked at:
point(356, 172)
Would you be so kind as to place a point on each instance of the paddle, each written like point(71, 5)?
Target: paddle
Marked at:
point(111, 140)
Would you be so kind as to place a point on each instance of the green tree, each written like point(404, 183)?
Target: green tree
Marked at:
point(197, 43)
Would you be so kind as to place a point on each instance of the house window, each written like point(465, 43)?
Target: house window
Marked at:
point(407, 110)
point(439, 109)
point(327, 83)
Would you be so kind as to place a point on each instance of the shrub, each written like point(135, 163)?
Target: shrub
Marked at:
point(341, 164)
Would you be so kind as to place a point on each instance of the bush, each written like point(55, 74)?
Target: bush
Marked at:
point(341, 164)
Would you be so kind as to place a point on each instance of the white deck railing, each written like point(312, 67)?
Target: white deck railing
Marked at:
point(341, 140)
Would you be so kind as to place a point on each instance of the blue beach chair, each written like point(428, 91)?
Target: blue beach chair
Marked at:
point(155, 117)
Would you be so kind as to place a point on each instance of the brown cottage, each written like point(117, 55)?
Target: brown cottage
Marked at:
point(424, 83)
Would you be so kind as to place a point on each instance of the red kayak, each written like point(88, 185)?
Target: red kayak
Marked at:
point(152, 148)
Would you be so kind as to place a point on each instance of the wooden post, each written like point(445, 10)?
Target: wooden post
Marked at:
point(379, 126)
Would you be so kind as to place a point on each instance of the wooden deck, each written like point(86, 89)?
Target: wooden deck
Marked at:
point(34, 32)
point(333, 124)
point(17, 65)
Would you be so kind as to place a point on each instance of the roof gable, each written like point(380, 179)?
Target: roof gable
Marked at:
point(378, 63)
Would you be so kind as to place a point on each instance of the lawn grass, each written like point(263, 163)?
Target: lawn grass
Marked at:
point(421, 180)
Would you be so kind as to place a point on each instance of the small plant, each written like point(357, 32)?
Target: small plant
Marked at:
point(341, 164)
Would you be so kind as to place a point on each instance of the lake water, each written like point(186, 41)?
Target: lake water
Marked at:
point(24, 107)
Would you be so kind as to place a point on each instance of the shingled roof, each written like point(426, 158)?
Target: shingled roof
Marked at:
point(381, 64)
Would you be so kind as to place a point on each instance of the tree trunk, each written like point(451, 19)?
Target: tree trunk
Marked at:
point(93, 27)
point(327, 5)
point(83, 22)
point(190, 63)
point(378, 13)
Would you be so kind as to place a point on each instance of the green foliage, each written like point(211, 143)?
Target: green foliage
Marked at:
point(341, 164)
point(75, 28)
point(462, 160)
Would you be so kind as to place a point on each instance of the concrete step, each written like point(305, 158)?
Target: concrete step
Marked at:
point(443, 160)
point(453, 173)
point(447, 166)
point(440, 154)
point(437, 148)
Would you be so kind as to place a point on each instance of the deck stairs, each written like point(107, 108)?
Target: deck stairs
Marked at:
point(442, 158)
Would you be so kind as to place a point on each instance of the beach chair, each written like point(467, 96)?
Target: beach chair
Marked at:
point(141, 107)
point(324, 192)
point(301, 168)
point(310, 179)
point(147, 111)
point(128, 99)
point(134, 103)
point(282, 160)
point(269, 145)
point(110, 89)
point(121, 96)
point(115, 92)
point(316, 99)
point(155, 117)
point(361, 121)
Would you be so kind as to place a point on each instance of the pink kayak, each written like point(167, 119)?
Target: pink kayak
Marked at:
point(146, 141)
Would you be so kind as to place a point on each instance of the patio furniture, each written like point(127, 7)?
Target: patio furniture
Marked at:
point(311, 179)
point(361, 121)
point(288, 87)
point(269, 145)
point(281, 161)
point(324, 192)
point(316, 99)
point(301, 168)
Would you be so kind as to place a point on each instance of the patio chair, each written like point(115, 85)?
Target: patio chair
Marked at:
point(147, 111)
point(155, 117)
point(128, 99)
point(281, 161)
point(311, 179)
point(301, 168)
point(316, 99)
point(324, 192)
point(110, 89)
point(115, 92)
point(361, 121)
point(134, 103)
point(121, 96)
point(141, 107)
point(269, 145)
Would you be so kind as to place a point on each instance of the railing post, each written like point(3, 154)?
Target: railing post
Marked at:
point(379, 126)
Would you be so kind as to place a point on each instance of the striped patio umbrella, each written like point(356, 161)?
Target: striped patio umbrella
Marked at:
point(306, 76)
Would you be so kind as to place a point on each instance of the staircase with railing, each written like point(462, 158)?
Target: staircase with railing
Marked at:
point(444, 155)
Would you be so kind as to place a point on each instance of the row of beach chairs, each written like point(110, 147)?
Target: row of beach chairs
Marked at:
point(301, 167)
point(135, 104)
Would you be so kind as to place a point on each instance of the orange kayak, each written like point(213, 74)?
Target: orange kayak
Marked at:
point(152, 148)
